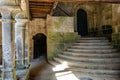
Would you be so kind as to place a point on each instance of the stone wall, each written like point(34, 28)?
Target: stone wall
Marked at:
point(106, 27)
point(116, 25)
point(35, 26)
point(116, 17)
point(60, 34)
point(106, 14)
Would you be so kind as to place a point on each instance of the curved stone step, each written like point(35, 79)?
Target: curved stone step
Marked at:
point(96, 71)
point(88, 65)
point(93, 38)
point(91, 60)
point(54, 63)
point(92, 55)
point(92, 50)
point(92, 41)
point(91, 47)
point(88, 71)
point(91, 44)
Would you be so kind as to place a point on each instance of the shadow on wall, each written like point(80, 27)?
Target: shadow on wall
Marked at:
point(107, 31)
point(40, 46)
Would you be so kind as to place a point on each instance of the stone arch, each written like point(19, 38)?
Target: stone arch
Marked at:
point(40, 46)
point(82, 23)
point(86, 7)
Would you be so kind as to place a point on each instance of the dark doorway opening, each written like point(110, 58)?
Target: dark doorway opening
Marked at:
point(40, 46)
point(82, 27)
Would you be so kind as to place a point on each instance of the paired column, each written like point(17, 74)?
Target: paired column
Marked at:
point(8, 54)
point(21, 44)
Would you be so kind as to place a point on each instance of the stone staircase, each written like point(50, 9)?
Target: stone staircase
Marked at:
point(91, 55)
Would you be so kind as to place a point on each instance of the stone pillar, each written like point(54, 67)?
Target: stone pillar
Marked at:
point(8, 60)
point(20, 43)
point(27, 53)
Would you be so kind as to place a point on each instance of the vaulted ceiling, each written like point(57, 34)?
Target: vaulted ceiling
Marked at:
point(40, 8)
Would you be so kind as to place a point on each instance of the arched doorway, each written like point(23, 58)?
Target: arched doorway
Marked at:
point(40, 46)
point(82, 27)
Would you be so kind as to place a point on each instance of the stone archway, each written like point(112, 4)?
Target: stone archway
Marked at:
point(40, 46)
point(82, 27)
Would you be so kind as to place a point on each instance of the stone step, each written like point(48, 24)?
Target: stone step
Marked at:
point(92, 41)
point(88, 65)
point(92, 50)
point(96, 71)
point(91, 44)
point(88, 71)
point(93, 38)
point(91, 47)
point(54, 63)
point(93, 55)
point(91, 60)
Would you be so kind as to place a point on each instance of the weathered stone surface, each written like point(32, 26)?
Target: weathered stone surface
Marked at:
point(59, 34)
point(20, 41)
point(6, 46)
point(36, 26)
point(116, 40)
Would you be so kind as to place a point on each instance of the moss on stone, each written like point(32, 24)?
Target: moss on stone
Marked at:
point(116, 40)
point(59, 22)
point(58, 41)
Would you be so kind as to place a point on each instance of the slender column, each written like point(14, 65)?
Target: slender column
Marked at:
point(20, 42)
point(8, 63)
point(27, 53)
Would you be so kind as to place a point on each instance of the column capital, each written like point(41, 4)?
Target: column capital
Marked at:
point(21, 19)
point(21, 22)
point(21, 15)
point(8, 14)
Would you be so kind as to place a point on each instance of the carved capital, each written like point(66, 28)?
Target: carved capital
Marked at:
point(21, 22)
point(20, 15)
point(6, 14)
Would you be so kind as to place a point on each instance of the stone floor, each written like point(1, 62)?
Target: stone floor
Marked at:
point(45, 71)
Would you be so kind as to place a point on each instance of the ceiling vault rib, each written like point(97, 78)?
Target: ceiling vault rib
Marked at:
point(54, 6)
point(64, 11)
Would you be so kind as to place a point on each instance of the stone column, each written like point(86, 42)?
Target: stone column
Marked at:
point(20, 43)
point(27, 53)
point(8, 62)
